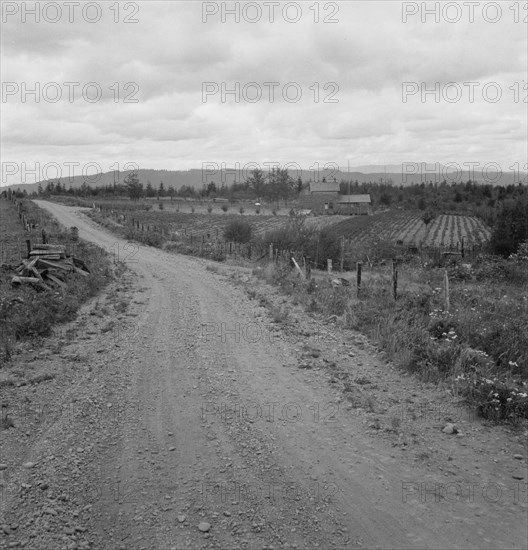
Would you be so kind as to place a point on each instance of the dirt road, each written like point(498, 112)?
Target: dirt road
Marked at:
point(222, 441)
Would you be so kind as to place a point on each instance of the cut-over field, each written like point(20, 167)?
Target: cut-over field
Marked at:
point(393, 226)
point(397, 227)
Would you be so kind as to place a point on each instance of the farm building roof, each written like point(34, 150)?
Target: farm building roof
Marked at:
point(324, 187)
point(354, 199)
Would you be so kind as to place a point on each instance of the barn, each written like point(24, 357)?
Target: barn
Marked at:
point(354, 204)
point(322, 198)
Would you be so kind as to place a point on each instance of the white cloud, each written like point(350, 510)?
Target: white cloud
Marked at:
point(170, 53)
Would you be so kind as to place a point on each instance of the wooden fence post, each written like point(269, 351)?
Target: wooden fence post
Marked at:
point(342, 264)
point(28, 245)
point(329, 265)
point(446, 291)
point(308, 268)
point(395, 279)
point(271, 251)
point(359, 265)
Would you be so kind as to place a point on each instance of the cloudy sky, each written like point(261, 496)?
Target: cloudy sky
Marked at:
point(314, 82)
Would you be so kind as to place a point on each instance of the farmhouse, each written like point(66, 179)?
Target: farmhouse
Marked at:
point(354, 204)
point(322, 198)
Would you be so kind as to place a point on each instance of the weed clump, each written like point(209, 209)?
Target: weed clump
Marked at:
point(238, 231)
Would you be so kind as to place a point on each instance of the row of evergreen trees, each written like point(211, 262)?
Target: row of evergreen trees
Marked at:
point(469, 197)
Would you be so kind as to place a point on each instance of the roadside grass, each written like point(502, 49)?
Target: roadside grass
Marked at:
point(12, 234)
point(26, 312)
point(479, 347)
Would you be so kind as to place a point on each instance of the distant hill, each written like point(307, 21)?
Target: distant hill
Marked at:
point(176, 178)
point(397, 168)
point(197, 178)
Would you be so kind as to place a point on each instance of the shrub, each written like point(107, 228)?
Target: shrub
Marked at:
point(149, 238)
point(292, 236)
point(521, 256)
point(241, 209)
point(428, 217)
point(510, 228)
point(238, 231)
point(161, 206)
point(495, 399)
point(74, 233)
point(152, 239)
point(496, 269)
point(458, 271)
point(217, 256)
point(209, 209)
point(225, 208)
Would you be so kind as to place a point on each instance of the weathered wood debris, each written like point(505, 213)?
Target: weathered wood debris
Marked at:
point(48, 266)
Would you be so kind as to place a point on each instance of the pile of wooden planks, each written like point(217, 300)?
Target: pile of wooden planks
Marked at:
point(47, 266)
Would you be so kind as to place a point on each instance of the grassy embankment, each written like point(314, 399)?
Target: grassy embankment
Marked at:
point(479, 347)
point(28, 312)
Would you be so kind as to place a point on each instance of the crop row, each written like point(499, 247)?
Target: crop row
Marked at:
point(409, 228)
